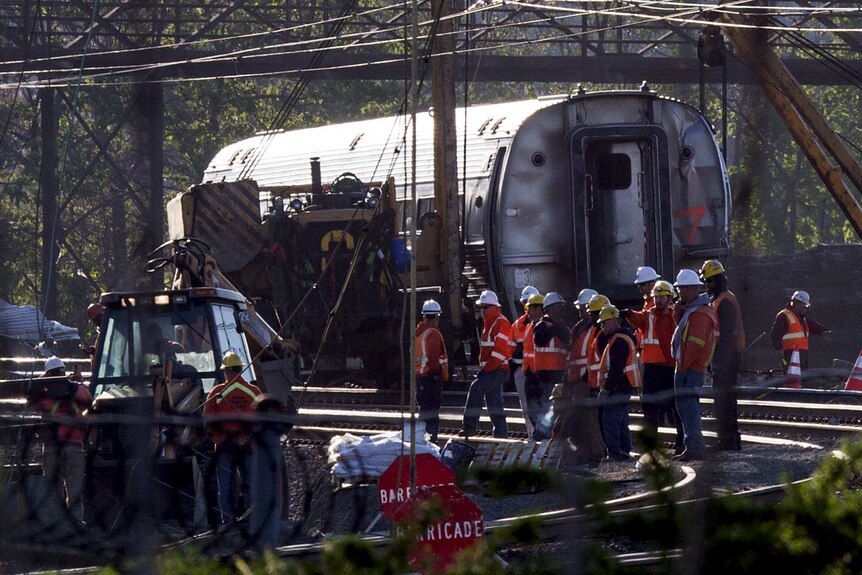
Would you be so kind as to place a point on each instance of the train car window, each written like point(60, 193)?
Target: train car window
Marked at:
point(613, 172)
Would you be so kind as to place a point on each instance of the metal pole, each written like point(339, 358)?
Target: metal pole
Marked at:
point(414, 103)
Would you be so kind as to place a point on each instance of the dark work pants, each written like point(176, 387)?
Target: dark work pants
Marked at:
point(657, 400)
point(429, 396)
point(725, 371)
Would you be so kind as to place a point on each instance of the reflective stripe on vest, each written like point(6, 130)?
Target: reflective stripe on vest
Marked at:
point(529, 353)
point(422, 367)
point(796, 337)
point(632, 369)
point(490, 343)
point(234, 386)
point(551, 357)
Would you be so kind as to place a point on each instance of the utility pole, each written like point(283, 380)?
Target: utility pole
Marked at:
point(445, 156)
point(50, 191)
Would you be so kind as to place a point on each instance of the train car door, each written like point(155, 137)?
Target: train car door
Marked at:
point(624, 200)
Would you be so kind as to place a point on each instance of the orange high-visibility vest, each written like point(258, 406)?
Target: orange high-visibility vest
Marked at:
point(632, 369)
point(698, 339)
point(739, 334)
point(551, 357)
point(495, 346)
point(593, 360)
point(529, 364)
point(657, 331)
point(431, 355)
point(578, 354)
point(519, 327)
point(796, 337)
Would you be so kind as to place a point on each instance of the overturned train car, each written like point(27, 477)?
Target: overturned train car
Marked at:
point(562, 193)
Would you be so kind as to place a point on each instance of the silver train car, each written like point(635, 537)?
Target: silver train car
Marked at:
point(561, 193)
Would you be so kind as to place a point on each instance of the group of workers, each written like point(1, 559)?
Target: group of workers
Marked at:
point(244, 448)
point(577, 382)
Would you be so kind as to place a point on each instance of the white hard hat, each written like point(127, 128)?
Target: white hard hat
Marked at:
point(552, 298)
point(801, 296)
point(431, 307)
point(646, 274)
point(687, 277)
point(488, 297)
point(527, 292)
point(53, 363)
point(584, 296)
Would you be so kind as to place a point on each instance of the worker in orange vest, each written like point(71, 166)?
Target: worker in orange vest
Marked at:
point(692, 346)
point(792, 328)
point(516, 364)
point(432, 367)
point(532, 389)
point(228, 419)
point(495, 349)
point(63, 452)
point(581, 425)
point(729, 347)
point(619, 376)
point(551, 338)
point(656, 325)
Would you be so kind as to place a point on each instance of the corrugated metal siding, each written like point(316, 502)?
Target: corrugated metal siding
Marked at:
point(24, 322)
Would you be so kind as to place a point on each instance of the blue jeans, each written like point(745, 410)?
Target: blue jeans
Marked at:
point(687, 385)
point(487, 388)
point(615, 423)
point(229, 458)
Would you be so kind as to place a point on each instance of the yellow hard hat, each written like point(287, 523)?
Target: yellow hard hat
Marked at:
point(536, 299)
point(597, 302)
point(711, 268)
point(608, 312)
point(231, 359)
point(662, 287)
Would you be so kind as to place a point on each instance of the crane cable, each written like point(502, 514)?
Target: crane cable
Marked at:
point(298, 88)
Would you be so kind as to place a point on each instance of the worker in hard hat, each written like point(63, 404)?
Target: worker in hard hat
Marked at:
point(793, 327)
point(495, 349)
point(63, 453)
point(645, 279)
point(516, 363)
point(729, 346)
point(619, 376)
point(227, 416)
point(656, 324)
point(594, 307)
point(532, 387)
point(692, 346)
point(432, 367)
point(581, 425)
point(551, 339)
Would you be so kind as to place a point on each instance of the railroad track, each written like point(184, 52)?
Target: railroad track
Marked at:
point(766, 417)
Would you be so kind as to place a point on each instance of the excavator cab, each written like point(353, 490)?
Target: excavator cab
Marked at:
point(159, 354)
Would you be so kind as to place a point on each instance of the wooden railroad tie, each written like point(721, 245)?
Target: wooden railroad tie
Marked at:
point(544, 454)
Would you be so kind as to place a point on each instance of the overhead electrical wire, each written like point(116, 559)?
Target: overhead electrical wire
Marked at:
point(267, 51)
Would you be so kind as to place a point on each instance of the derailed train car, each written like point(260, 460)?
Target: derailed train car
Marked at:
point(562, 193)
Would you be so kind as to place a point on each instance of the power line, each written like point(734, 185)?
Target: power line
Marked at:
point(688, 16)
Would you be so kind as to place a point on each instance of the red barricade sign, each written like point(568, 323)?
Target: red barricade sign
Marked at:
point(393, 487)
point(460, 527)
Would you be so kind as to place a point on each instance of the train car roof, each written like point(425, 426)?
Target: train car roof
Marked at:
point(370, 149)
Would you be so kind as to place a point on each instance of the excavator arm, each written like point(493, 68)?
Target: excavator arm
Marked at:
point(196, 266)
point(830, 158)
